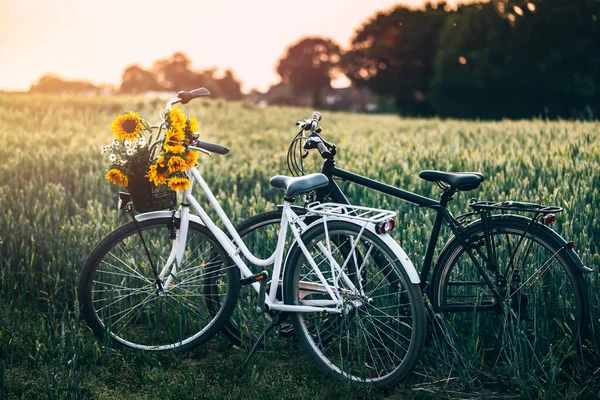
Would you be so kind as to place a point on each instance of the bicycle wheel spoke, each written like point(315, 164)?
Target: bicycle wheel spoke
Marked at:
point(135, 272)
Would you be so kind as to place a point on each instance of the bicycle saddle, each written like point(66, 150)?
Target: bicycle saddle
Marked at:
point(457, 180)
point(295, 186)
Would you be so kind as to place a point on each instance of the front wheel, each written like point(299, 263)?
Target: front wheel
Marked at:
point(123, 302)
point(379, 336)
point(542, 306)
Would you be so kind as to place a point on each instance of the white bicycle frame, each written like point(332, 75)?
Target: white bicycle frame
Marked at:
point(289, 218)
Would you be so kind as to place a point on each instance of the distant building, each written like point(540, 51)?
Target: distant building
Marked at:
point(350, 98)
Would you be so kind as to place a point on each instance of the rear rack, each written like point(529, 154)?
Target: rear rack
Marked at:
point(374, 215)
point(514, 206)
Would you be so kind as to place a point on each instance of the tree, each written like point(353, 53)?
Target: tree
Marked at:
point(473, 73)
point(556, 46)
point(50, 83)
point(174, 73)
point(229, 87)
point(137, 80)
point(309, 65)
point(518, 59)
point(392, 54)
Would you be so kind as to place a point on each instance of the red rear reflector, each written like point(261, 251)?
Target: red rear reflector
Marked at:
point(571, 245)
point(549, 219)
point(385, 226)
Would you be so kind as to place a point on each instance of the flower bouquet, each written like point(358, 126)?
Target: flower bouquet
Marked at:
point(151, 163)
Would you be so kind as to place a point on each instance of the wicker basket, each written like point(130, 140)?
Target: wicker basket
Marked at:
point(145, 195)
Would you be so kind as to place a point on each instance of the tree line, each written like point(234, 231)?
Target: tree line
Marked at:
point(171, 74)
point(500, 59)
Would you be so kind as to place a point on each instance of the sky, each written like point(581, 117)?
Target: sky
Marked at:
point(95, 40)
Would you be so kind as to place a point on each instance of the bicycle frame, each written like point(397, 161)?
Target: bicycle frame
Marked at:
point(289, 218)
point(334, 192)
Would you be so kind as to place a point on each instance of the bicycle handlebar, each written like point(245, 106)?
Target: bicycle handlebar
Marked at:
point(212, 147)
point(315, 141)
point(186, 97)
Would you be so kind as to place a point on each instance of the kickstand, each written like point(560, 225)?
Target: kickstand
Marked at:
point(274, 323)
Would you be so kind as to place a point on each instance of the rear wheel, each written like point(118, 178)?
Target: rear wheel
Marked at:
point(378, 337)
point(543, 307)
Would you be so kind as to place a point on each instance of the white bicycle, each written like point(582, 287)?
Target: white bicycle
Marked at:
point(169, 280)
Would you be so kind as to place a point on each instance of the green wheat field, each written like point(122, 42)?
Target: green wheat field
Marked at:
point(55, 206)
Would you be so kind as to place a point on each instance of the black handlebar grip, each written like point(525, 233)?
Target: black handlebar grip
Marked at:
point(212, 147)
point(186, 97)
point(325, 153)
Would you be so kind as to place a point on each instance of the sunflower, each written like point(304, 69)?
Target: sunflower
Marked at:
point(179, 183)
point(191, 157)
point(155, 176)
point(177, 120)
point(161, 161)
point(127, 126)
point(174, 147)
point(192, 125)
point(117, 177)
point(177, 163)
point(174, 135)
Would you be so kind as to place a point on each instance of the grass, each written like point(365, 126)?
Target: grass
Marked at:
point(55, 205)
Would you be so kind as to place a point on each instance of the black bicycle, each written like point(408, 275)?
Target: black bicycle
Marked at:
point(509, 279)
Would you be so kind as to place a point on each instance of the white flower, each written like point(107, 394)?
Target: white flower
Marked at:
point(115, 143)
point(130, 151)
point(142, 142)
point(104, 150)
point(112, 157)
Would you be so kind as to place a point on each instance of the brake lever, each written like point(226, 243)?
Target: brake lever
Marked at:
point(200, 149)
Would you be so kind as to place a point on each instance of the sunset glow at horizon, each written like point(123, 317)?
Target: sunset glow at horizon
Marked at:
point(96, 40)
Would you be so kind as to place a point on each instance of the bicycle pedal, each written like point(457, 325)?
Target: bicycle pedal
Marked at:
point(239, 373)
point(262, 277)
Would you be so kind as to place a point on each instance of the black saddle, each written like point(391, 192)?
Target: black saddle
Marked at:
point(295, 186)
point(456, 180)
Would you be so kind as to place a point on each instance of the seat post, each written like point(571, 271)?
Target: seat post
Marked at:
point(446, 196)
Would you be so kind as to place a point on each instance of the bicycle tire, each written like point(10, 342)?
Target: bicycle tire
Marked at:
point(381, 333)
point(545, 304)
point(117, 275)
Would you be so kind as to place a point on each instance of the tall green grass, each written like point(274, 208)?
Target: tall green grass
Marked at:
point(55, 205)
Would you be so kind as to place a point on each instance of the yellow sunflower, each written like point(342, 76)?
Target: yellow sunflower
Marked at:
point(191, 158)
point(177, 119)
point(117, 177)
point(175, 135)
point(177, 163)
point(156, 177)
point(179, 183)
point(161, 161)
point(127, 126)
point(174, 147)
point(193, 125)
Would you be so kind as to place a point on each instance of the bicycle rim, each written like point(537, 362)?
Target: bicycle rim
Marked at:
point(378, 337)
point(541, 310)
point(129, 307)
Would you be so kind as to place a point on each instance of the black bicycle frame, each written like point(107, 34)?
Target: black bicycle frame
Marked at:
point(334, 192)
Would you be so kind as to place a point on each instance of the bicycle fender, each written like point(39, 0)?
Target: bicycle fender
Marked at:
point(558, 239)
point(388, 240)
point(165, 214)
